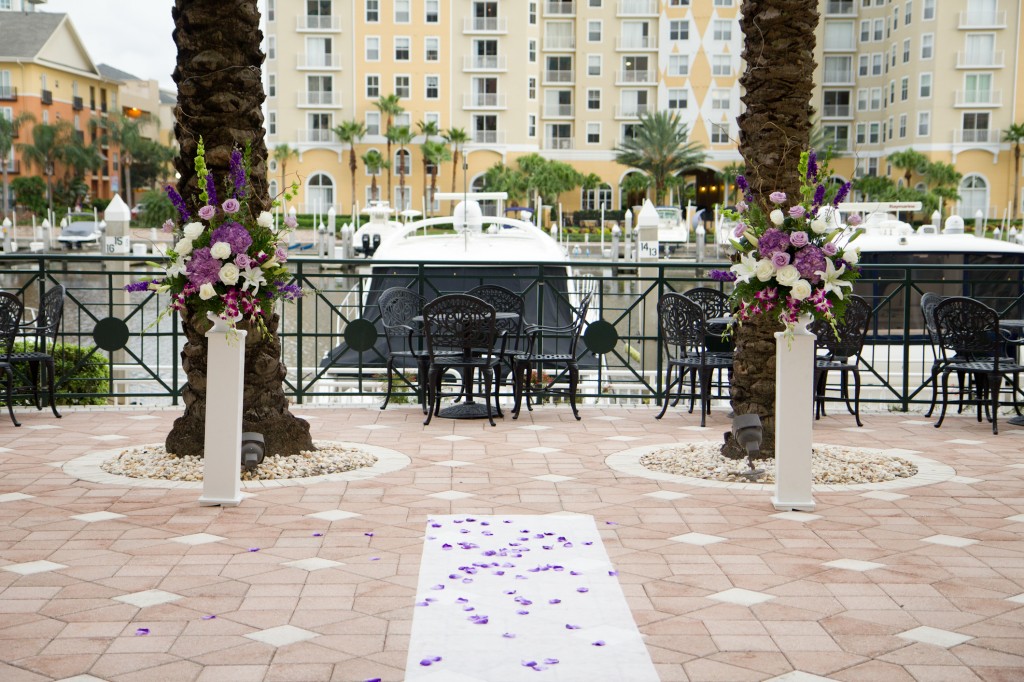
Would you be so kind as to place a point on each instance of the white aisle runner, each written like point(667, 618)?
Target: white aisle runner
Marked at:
point(505, 598)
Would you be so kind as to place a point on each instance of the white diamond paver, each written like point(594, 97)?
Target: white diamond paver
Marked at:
point(98, 516)
point(802, 517)
point(553, 478)
point(742, 597)
point(883, 495)
point(313, 564)
point(14, 497)
point(452, 463)
point(965, 441)
point(935, 636)
point(542, 450)
point(853, 565)
point(697, 539)
point(800, 676)
point(535, 427)
point(198, 539)
point(949, 540)
point(282, 635)
point(453, 438)
point(148, 598)
point(451, 495)
point(1017, 599)
point(109, 437)
point(333, 515)
point(32, 567)
point(666, 495)
point(1016, 518)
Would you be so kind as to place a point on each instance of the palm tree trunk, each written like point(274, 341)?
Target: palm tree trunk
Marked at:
point(455, 167)
point(1016, 179)
point(7, 187)
point(219, 98)
point(774, 129)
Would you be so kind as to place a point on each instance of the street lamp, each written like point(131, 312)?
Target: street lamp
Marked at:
point(48, 171)
point(127, 161)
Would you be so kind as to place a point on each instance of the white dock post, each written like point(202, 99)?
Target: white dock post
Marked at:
point(222, 461)
point(794, 404)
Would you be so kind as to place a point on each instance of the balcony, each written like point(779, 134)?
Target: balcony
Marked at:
point(836, 111)
point(637, 8)
point(483, 100)
point(318, 23)
point(979, 98)
point(308, 60)
point(316, 135)
point(558, 110)
point(838, 77)
point(559, 42)
point(993, 60)
point(636, 43)
point(485, 25)
point(77, 104)
point(974, 20)
point(633, 77)
point(632, 110)
point(319, 98)
point(976, 137)
point(484, 62)
point(46, 97)
point(562, 9)
point(8, 94)
point(840, 8)
point(488, 137)
point(558, 143)
point(559, 76)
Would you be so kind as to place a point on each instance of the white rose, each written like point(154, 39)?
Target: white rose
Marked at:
point(206, 292)
point(800, 290)
point(193, 230)
point(229, 274)
point(787, 275)
point(777, 216)
point(183, 247)
point(221, 250)
point(265, 219)
point(851, 256)
point(819, 225)
point(764, 270)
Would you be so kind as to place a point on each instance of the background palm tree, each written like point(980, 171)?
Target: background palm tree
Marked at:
point(350, 132)
point(8, 131)
point(943, 180)
point(218, 52)
point(502, 178)
point(778, 48)
point(635, 186)
point(1015, 135)
point(402, 136)
point(124, 133)
point(283, 153)
point(434, 153)
point(50, 146)
point(660, 148)
point(457, 138)
point(910, 161)
point(429, 130)
point(374, 162)
point(728, 175)
point(389, 107)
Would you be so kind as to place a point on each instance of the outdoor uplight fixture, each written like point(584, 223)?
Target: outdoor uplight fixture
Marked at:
point(253, 450)
point(747, 430)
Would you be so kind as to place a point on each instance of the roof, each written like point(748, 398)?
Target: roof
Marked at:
point(24, 34)
point(113, 73)
point(168, 97)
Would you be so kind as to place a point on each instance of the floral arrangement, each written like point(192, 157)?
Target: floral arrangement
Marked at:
point(790, 258)
point(223, 263)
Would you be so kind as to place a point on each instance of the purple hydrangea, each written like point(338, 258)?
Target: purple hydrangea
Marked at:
point(211, 189)
point(234, 234)
point(799, 239)
point(772, 241)
point(722, 275)
point(742, 182)
point(179, 203)
point(237, 173)
point(809, 260)
point(203, 268)
point(290, 292)
point(142, 285)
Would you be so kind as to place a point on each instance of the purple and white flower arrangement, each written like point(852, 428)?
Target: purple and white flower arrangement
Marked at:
point(222, 261)
point(790, 258)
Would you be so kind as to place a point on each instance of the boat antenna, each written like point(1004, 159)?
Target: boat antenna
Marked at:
point(465, 203)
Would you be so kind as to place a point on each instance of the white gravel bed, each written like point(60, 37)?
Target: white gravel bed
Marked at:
point(830, 465)
point(154, 462)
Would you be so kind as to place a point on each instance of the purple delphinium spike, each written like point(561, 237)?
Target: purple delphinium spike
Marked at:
point(179, 203)
point(819, 195)
point(238, 173)
point(841, 194)
point(211, 190)
point(812, 165)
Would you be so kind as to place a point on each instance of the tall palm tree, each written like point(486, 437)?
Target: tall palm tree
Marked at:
point(350, 132)
point(124, 133)
point(729, 174)
point(910, 161)
point(218, 51)
point(49, 147)
point(389, 107)
point(374, 163)
point(283, 153)
point(942, 180)
point(402, 136)
point(457, 138)
point(434, 154)
point(778, 49)
point(8, 131)
point(429, 130)
point(660, 148)
point(1015, 135)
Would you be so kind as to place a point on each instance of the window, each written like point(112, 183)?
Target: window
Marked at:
point(837, 137)
point(402, 46)
point(432, 11)
point(892, 128)
point(372, 49)
point(873, 131)
point(373, 123)
point(924, 123)
point(432, 49)
point(676, 98)
point(403, 119)
point(837, 103)
point(876, 99)
point(928, 11)
point(863, 65)
point(271, 123)
point(403, 162)
point(973, 193)
point(976, 127)
point(879, 30)
point(679, 29)
point(873, 166)
point(839, 35)
point(271, 85)
point(904, 88)
point(319, 90)
point(977, 88)
point(865, 31)
point(597, 198)
point(593, 133)
point(980, 50)
point(892, 92)
point(531, 125)
point(895, 17)
point(721, 65)
point(594, 99)
point(271, 47)
point(594, 31)
point(908, 12)
point(432, 87)
point(593, 65)
point(862, 99)
point(271, 11)
point(531, 51)
point(723, 30)
point(372, 86)
point(720, 131)
point(531, 87)
point(319, 51)
point(319, 128)
point(678, 3)
point(861, 133)
point(903, 126)
point(372, 11)
point(928, 45)
point(838, 69)
point(678, 64)
point(402, 87)
point(723, 3)
point(533, 13)
point(594, 3)
point(876, 64)
point(720, 99)
point(892, 52)
point(403, 15)
point(906, 51)
point(924, 86)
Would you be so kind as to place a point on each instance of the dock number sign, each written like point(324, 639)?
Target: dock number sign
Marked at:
point(113, 245)
point(648, 249)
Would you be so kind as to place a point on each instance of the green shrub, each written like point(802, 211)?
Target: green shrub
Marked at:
point(89, 372)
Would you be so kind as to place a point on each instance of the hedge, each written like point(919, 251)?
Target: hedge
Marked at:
point(92, 377)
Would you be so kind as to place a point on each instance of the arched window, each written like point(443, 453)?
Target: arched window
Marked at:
point(319, 193)
point(973, 193)
point(366, 168)
point(489, 207)
point(272, 189)
point(403, 162)
point(597, 198)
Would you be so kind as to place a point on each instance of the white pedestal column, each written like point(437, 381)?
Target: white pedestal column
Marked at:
point(794, 403)
point(222, 464)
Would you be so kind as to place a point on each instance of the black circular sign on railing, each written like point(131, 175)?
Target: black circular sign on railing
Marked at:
point(361, 335)
point(600, 337)
point(111, 333)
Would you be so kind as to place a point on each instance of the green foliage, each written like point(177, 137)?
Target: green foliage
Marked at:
point(156, 208)
point(660, 148)
point(88, 371)
point(151, 162)
point(31, 193)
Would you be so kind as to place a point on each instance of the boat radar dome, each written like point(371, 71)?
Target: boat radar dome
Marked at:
point(468, 217)
point(954, 225)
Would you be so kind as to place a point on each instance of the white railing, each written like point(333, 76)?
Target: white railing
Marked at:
point(965, 60)
point(557, 110)
point(836, 111)
point(483, 100)
point(634, 8)
point(554, 42)
point(838, 77)
point(968, 136)
point(485, 25)
point(318, 23)
point(319, 98)
point(316, 135)
point(559, 8)
point(982, 19)
point(559, 76)
point(489, 62)
point(558, 143)
point(633, 76)
point(979, 98)
point(488, 137)
point(636, 43)
point(307, 60)
point(840, 8)
point(632, 110)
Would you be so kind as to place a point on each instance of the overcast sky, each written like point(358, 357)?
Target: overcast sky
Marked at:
point(131, 35)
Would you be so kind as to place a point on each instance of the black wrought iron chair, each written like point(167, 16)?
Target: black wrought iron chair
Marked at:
point(928, 302)
point(461, 331)
point(43, 331)
point(682, 331)
point(506, 301)
point(842, 348)
point(969, 329)
point(404, 338)
point(535, 360)
point(11, 310)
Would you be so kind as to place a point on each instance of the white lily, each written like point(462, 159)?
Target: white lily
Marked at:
point(253, 278)
point(746, 268)
point(177, 267)
point(831, 280)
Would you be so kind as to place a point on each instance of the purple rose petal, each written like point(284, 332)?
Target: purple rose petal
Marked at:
point(554, 601)
point(142, 632)
point(509, 635)
point(461, 600)
point(583, 589)
point(318, 535)
point(588, 544)
point(437, 587)
point(446, 547)
point(522, 612)
point(613, 572)
point(209, 617)
point(375, 558)
point(551, 661)
point(422, 603)
point(254, 549)
point(569, 626)
point(373, 679)
point(611, 523)
point(369, 535)
point(599, 642)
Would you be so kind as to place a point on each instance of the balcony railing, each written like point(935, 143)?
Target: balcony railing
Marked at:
point(633, 76)
point(553, 7)
point(319, 98)
point(972, 20)
point(838, 77)
point(554, 42)
point(636, 43)
point(632, 110)
point(558, 143)
point(557, 110)
point(979, 98)
point(46, 97)
point(843, 8)
point(483, 100)
point(559, 76)
point(308, 60)
point(836, 111)
point(637, 8)
point(972, 136)
point(485, 25)
point(966, 60)
point(318, 23)
point(8, 93)
point(488, 137)
point(77, 104)
point(317, 135)
point(488, 62)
